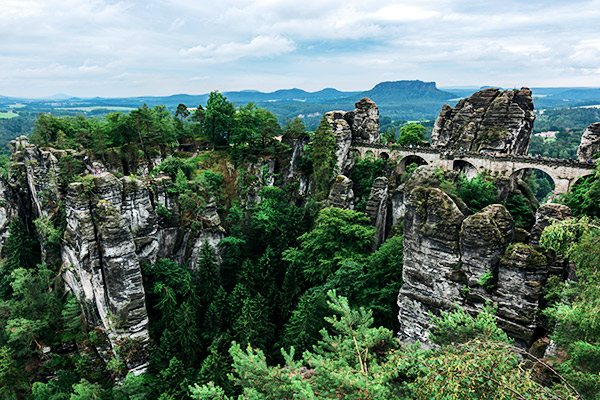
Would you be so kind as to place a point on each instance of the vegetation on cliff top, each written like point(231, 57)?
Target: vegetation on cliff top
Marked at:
point(292, 275)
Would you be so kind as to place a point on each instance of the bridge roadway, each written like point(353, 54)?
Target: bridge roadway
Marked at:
point(563, 172)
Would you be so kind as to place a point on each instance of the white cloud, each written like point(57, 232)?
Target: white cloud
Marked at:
point(586, 54)
point(177, 23)
point(82, 46)
point(260, 46)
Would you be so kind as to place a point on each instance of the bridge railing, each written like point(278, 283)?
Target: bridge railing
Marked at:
point(458, 154)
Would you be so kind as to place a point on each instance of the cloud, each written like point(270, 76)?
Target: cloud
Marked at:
point(260, 46)
point(177, 23)
point(586, 55)
point(117, 46)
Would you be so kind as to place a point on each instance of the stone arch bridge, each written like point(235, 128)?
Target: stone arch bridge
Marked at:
point(564, 173)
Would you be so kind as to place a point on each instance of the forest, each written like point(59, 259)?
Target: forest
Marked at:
point(295, 302)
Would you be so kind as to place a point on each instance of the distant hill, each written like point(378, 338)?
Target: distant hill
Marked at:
point(59, 96)
point(397, 100)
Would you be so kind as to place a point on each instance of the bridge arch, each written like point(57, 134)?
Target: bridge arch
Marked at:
point(465, 167)
point(544, 184)
point(406, 161)
point(384, 156)
point(582, 178)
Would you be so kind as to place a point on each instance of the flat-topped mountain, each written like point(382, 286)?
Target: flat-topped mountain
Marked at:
point(390, 92)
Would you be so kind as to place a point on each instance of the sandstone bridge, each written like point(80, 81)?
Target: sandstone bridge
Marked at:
point(564, 173)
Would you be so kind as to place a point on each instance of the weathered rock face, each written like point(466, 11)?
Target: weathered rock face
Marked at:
point(341, 194)
point(422, 176)
point(364, 121)
point(522, 274)
point(112, 226)
point(450, 259)
point(590, 143)
point(377, 207)
point(9, 210)
point(102, 267)
point(297, 145)
point(343, 137)
point(489, 120)
point(362, 124)
point(483, 239)
point(431, 259)
point(544, 216)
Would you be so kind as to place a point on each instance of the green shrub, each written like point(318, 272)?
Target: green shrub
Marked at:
point(163, 211)
point(478, 192)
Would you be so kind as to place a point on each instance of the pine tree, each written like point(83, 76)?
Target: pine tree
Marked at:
point(324, 157)
point(20, 251)
point(208, 275)
point(253, 324)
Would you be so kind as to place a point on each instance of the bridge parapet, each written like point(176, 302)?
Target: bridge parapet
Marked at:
point(453, 154)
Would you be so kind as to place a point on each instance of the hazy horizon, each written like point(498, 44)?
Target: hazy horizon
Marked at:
point(127, 48)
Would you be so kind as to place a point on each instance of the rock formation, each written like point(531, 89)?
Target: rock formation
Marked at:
point(453, 260)
point(377, 207)
point(361, 124)
point(364, 121)
point(112, 227)
point(489, 120)
point(422, 176)
point(341, 194)
point(544, 217)
point(590, 143)
point(343, 138)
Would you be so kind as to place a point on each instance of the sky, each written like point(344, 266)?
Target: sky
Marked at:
point(113, 48)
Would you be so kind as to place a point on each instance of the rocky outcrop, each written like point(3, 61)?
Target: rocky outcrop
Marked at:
point(8, 210)
point(483, 239)
point(113, 225)
point(590, 143)
point(297, 144)
point(110, 228)
point(361, 124)
point(489, 120)
point(341, 194)
point(422, 176)
point(343, 137)
point(522, 274)
point(364, 121)
point(431, 260)
point(544, 216)
point(377, 207)
point(455, 260)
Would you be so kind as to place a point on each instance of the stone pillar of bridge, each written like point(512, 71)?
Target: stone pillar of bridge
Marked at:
point(561, 185)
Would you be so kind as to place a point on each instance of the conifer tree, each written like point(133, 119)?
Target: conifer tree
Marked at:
point(324, 157)
point(208, 275)
point(20, 251)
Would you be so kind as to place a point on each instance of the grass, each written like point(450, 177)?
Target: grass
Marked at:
point(5, 115)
